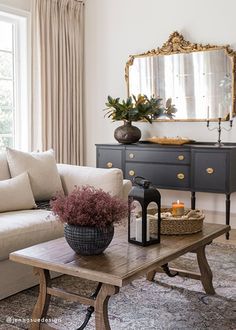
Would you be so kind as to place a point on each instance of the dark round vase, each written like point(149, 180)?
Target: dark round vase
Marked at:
point(88, 240)
point(127, 133)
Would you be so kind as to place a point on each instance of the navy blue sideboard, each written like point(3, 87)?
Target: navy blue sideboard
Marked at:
point(198, 167)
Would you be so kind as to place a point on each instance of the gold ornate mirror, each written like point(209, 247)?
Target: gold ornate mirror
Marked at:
point(200, 79)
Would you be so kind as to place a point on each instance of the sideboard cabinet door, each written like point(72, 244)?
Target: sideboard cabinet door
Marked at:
point(209, 171)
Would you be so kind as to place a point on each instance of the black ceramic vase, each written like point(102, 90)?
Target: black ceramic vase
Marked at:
point(127, 133)
point(88, 240)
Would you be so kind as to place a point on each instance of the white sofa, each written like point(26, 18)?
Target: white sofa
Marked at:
point(20, 229)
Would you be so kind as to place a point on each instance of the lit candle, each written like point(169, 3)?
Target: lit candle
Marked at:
point(177, 208)
point(219, 113)
point(139, 230)
point(208, 112)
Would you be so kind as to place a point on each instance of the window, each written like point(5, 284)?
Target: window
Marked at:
point(14, 118)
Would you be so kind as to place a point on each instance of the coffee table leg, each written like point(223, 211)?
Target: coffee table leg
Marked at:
point(205, 270)
point(42, 304)
point(101, 306)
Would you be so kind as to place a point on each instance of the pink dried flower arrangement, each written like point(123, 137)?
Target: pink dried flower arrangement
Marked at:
point(88, 206)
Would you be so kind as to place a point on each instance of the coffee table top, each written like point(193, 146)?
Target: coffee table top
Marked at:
point(121, 261)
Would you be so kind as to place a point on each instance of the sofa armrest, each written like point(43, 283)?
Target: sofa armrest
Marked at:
point(110, 180)
point(127, 186)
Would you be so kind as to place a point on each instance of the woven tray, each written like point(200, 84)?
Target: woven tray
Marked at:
point(190, 223)
point(166, 140)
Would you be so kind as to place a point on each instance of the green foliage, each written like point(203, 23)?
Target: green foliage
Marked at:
point(168, 111)
point(6, 127)
point(138, 108)
point(6, 65)
point(6, 93)
point(6, 121)
point(5, 141)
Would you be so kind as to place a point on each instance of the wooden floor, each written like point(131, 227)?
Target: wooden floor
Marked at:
point(219, 217)
point(232, 238)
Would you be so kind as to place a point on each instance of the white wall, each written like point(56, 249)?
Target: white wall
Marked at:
point(19, 4)
point(117, 28)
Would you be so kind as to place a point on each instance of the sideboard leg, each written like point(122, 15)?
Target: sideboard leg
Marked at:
point(227, 204)
point(101, 306)
point(193, 200)
point(42, 304)
point(205, 270)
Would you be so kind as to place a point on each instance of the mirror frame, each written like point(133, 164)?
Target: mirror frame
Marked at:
point(176, 44)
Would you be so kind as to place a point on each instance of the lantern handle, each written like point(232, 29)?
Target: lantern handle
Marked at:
point(142, 182)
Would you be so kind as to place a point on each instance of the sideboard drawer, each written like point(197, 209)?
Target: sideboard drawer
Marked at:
point(158, 156)
point(109, 158)
point(161, 175)
point(210, 171)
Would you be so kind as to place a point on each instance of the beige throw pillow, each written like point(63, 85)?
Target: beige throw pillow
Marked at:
point(16, 194)
point(42, 170)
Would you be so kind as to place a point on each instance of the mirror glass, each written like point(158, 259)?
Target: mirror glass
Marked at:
point(200, 83)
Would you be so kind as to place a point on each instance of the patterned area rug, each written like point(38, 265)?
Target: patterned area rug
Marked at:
point(165, 304)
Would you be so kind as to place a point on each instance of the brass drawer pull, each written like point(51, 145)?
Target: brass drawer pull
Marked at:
point(181, 157)
point(210, 170)
point(109, 164)
point(131, 173)
point(180, 176)
point(131, 156)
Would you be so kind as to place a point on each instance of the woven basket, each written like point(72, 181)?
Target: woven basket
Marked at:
point(88, 240)
point(190, 223)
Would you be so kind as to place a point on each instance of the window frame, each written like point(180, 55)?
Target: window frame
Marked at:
point(21, 75)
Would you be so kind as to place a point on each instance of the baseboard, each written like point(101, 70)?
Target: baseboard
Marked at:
point(219, 217)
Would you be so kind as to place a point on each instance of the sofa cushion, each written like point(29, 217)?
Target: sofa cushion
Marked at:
point(16, 194)
point(41, 167)
point(21, 229)
point(4, 169)
point(110, 180)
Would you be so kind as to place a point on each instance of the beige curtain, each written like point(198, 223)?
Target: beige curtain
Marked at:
point(57, 78)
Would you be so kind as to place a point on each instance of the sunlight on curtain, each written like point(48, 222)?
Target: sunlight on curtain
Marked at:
point(57, 75)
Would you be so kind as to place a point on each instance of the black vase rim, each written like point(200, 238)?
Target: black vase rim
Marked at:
point(97, 227)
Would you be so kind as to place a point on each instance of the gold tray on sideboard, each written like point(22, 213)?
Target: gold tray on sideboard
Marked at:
point(166, 140)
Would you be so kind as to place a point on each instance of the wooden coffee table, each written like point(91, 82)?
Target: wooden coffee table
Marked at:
point(116, 267)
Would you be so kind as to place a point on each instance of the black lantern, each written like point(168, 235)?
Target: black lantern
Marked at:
point(144, 229)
